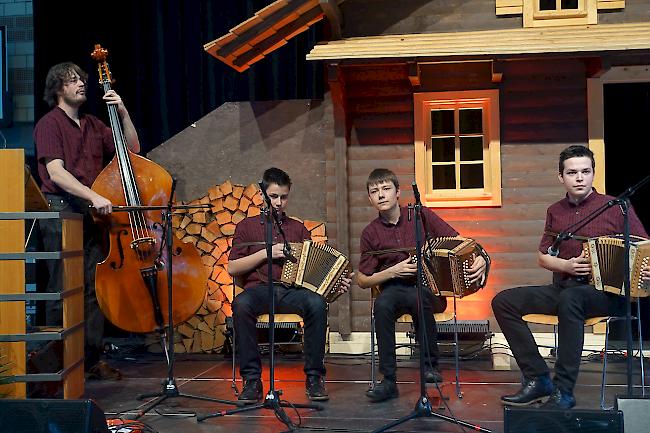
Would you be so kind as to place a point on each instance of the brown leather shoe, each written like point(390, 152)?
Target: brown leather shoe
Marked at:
point(103, 371)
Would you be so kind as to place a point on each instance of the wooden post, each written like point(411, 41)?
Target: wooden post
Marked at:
point(73, 307)
point(12, 272)
point(336, 81)
point(13, 201)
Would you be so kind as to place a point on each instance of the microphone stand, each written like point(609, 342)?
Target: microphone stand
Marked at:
point(170, 389)
point(423, 406)
point(623, 201)
point(272, 399)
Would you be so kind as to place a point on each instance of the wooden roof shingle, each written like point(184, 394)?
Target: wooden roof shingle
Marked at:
point(267, 30)
point(571, 39)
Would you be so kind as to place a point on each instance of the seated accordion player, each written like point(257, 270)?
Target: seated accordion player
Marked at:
point(446, 261)
point(318, 267)
point(606, 254)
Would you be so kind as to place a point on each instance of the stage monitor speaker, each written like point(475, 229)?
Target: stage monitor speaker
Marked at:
point(51, 416)
point(636, 413)
point(531, 420)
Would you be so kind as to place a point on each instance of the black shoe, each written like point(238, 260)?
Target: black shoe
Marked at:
point(384, 390)
point(252, 392)
point(315, 388)
point(533, 391)
point(432, 375)
point(560, 400)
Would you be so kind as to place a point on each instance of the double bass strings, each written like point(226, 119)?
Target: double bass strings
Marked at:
point(137, 221)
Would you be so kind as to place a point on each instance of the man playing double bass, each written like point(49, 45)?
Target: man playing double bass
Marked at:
point(71, 148)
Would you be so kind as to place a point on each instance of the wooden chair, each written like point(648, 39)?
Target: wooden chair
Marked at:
point(445, 316)
point(549, 319)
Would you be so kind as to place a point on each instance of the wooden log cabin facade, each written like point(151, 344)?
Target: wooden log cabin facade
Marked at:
point(398, 71)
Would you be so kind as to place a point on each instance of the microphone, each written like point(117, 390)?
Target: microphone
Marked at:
point(267, 199)
point(416, 193)
point(554, 249)
point(287, 253)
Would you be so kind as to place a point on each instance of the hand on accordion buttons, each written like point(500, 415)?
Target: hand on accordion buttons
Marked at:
point(580, 265)
point(477, 270)
point(346, 282)
point(645, 273)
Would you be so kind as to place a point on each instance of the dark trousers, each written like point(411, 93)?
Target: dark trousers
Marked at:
point(572, 302)
point(254, 301)
point(399, 297)
point(93, 253)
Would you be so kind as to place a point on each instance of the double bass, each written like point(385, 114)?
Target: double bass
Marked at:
point(131, 282)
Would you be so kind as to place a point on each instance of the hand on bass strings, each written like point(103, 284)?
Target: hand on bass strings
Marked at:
point(112, 98)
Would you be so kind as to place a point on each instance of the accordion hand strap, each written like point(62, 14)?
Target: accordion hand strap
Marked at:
point(481, 251)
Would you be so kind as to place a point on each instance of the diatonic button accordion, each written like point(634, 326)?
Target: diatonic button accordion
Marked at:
point(319, 267)
point(447, 261)
point(607, 254)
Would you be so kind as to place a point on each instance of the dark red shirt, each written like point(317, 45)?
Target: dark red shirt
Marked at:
point(382, 235)
point(250, 231)
point(83, 149)
point(564, 213)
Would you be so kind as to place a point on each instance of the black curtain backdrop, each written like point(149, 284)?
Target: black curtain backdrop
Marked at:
point(157, 59)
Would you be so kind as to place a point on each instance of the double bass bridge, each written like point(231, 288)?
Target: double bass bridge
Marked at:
point(146, 241)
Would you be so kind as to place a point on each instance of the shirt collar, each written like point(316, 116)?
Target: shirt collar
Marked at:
point(399, 220)
point(584, 202)
point(62, 112)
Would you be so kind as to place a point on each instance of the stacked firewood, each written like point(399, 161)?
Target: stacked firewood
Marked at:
point(211, 230)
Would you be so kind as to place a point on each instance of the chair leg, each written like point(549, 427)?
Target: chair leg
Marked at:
point(456, 352)
point(373, 379)
point(603, 382)
point(233, 385)
point(638, 321)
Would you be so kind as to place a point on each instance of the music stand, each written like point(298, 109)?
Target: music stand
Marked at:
point(272, 399)
point(169, 389)
point(623, 201)
point(423, 405)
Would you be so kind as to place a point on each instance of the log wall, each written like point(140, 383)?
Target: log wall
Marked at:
point(543, 110)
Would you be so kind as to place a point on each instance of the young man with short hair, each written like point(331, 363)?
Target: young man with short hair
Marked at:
point(386, 262)
point(248, 261)
point(570, 296)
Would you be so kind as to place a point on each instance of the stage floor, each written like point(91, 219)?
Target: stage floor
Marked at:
point(348, 410)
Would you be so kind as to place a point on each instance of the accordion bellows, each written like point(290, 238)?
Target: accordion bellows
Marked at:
point(446, 262)
point(607, 255)
point(319, 268)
